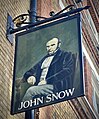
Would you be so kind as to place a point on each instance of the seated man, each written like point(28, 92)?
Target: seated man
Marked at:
point(52, 74)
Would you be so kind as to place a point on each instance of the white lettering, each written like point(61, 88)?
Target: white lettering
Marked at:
point(48, 98)
point(71, 91)
point(32, 102)
point(19, 108)
point(67, 93)
point(61, 95)
point(40, 100)
point(54, 96)
point(26, 104)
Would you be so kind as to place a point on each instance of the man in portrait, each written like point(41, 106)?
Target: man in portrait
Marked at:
point(53, 73)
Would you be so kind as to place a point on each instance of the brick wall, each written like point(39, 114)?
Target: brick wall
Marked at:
point(44, 7)
point(63, 110)
point(94, 12)
point(88, 81)
point(14, 8)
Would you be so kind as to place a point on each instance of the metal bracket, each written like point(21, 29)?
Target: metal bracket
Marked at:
point(22, 20)
point(10, 26)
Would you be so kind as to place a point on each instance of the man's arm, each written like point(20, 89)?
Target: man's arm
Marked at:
point(30, 73)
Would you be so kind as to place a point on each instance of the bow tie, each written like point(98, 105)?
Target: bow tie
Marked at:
point(48, 55)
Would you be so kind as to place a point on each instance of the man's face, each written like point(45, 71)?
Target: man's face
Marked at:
point(52, 45)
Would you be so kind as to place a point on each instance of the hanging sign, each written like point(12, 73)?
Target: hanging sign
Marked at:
point(48, 65)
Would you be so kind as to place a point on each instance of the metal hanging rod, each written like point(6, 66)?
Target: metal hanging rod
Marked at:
point(54, 17)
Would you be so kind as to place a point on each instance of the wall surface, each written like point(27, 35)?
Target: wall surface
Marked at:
point(75, 109)
point(14, 8)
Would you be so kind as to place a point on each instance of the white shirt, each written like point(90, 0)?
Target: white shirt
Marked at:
point(45, 66)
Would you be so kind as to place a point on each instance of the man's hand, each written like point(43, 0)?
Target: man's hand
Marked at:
point(31, 80)
point(42, 82)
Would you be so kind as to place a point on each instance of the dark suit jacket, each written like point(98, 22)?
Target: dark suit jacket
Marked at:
point(59, 73)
